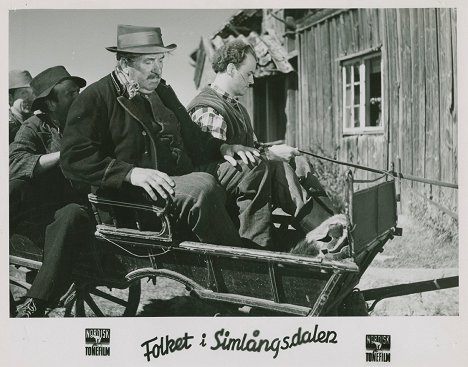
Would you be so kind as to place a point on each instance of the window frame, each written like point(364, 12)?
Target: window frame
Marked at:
point(364, 106)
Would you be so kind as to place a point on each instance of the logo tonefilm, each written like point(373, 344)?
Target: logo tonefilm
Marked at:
point(97, 342)
point(377, 348)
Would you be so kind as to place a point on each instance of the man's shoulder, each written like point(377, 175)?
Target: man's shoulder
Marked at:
point(207, 97)
point(35, 121)
point(102, 87)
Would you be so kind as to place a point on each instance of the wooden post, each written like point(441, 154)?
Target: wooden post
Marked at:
point(399, 185)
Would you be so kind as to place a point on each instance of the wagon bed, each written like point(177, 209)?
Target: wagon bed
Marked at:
point(130, 248)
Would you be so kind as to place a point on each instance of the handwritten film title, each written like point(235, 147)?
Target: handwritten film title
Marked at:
point(223, 340)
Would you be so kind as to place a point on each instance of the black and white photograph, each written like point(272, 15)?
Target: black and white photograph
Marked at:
point(262, 183)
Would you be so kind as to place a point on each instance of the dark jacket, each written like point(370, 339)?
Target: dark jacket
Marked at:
point(107, 134)
point(36, 137)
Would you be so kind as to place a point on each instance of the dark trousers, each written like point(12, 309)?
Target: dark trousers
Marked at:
point(200, 204)
point(249, 191)
point(67, 228)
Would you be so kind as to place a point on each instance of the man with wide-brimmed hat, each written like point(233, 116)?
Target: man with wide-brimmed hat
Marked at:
point(40, 193)
point(130, 129)
point(20, 97)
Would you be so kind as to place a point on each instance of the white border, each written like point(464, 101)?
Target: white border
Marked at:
point(416, 341)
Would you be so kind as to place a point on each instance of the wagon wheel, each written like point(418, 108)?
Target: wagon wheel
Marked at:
point(88, 300)
point(19, 285)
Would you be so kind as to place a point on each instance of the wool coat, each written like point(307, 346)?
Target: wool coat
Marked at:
point(107, 134)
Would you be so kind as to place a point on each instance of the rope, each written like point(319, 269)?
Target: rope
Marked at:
point(131, 253)
point(389, 173)
point(437, 205)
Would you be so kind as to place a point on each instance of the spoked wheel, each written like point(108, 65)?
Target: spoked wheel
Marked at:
point(87, 300)
point(19, 285)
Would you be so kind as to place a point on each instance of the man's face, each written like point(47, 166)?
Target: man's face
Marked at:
point(23, 97)
point(146, 70)
point(242, 77)
point(66, 92)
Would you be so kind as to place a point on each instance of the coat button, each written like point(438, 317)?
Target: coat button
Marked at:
point(143, 133)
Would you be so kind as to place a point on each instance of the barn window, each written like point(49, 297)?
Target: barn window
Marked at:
point(362, 94)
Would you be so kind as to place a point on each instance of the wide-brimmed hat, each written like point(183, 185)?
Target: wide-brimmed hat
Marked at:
point(43, 83)
point(140, 40)
point(19, 79)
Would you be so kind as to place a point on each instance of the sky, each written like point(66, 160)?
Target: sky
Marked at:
point(76, 39)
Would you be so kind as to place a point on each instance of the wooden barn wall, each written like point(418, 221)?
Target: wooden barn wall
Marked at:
point(419, 93)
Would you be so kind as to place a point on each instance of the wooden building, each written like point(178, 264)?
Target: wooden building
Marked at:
point(370, 86)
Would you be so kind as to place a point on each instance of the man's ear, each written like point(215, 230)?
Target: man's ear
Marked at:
point(51, 105)
point(123, 63)
point(230, 69)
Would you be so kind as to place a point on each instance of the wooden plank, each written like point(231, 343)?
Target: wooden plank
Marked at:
point(348, 29)
point(327, 122)
point(354, 31)
point(432, 161)
point(375, 29)
point(446, 99)
point(362, 150)
point(418, 96)
point(393, 82)
point(454, 109)
point(382, 19)
point(304, 106)
point(312, 93)
point(406, 97)
point(335, 85)
point(318, 132)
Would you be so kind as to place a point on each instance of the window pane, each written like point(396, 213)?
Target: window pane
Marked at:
point(356, 116)
point(357, 94)
point(348, 74)
point(356, 72)
point(375, 93)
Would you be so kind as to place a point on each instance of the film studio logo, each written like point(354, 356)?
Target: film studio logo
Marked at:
point(377, 348)
point(97, 342)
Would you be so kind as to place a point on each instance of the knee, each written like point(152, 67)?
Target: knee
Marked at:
point(73, 215)
point(210, 190)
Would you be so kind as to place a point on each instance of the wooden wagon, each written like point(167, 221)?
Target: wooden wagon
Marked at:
point(131, 247)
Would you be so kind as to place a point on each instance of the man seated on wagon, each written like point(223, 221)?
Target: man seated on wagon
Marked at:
point(20, 97)
point(130, 130)
point(40, 193)
point(217, 110)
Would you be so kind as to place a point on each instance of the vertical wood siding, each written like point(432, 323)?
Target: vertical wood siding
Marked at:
point(419, 92)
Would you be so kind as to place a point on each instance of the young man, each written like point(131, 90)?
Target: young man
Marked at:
point(40, 193)
point(129, 129)
point(20, 98)
point(217, 111)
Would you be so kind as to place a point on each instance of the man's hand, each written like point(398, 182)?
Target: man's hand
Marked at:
point(282, 152)
point(247, 154)
point(151, 180)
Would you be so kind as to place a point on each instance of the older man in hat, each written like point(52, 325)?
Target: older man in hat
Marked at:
point(20, 97)
point(130, 129)
point(40, 193)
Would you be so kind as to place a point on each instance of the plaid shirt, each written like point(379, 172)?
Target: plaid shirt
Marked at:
point(210, 120)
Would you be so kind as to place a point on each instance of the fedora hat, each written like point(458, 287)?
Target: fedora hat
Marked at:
point(43, 82)
point(19, 79)
point(140, 40)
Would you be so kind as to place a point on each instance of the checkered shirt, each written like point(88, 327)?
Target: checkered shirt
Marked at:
point(210, 120)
